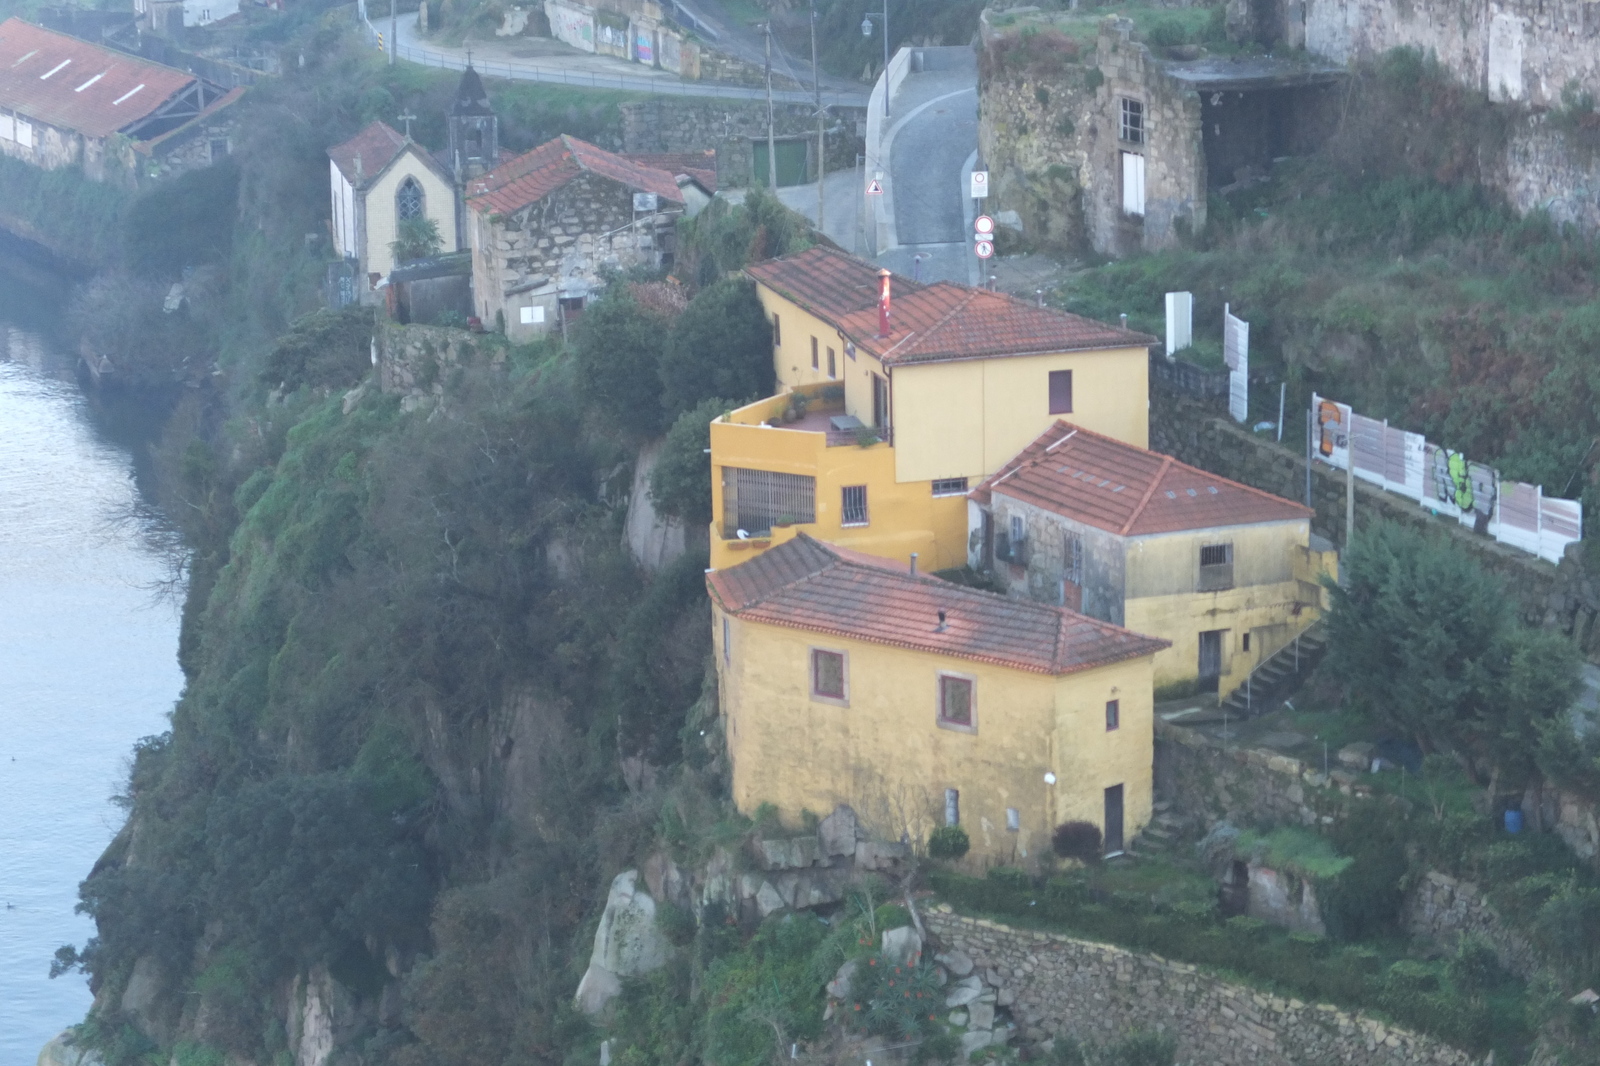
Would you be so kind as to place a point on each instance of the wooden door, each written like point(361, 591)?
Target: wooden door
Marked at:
point(1211, 659)
point(1113, 819)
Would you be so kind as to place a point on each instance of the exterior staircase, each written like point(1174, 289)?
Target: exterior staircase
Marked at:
point(1160, 836)
point(1278, 675)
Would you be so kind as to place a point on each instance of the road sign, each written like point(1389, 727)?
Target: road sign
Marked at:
point(980, 184)
point(874, 187)
point(985, 249)
point(984, 225)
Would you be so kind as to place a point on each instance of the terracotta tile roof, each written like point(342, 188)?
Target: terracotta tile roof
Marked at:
point(1127, 490)
point(930, 322)
point(805, 584)
point(376, 146)
point(75, 85)
point(701, 166)
point(534, 175)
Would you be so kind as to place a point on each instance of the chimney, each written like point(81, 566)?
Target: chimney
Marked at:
point(1124, 321)
point(941, 627)
point(1039, 295)
point(883, 303)
point(913, 562)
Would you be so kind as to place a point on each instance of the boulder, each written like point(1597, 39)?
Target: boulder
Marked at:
point(62, 1052)
point(838, 832)
point(902, 946)
point(974, 1040)
point(958, 1018)
point(964, 991)
point(1005, 997)
point(627, 943)
point(958, 964)
point(839, 987)
point(792, 854)
point(981, 1015)
point(879, 854)
point(1357, 756)
point(769, 899)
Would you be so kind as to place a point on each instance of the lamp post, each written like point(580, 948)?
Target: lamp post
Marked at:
point(866, 31)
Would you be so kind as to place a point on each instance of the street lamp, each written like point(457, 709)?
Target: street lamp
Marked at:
point(866, 31)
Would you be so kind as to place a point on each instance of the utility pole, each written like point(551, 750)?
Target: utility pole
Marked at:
point(885, 57)
point(822, 135)
point(394, 30)
point(772, 140)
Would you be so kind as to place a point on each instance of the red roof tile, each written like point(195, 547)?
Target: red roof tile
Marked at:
point(930, 322)
point(805, 584)
point(376, 146)
point(701, 166)
point(75, 85)
point(534, 175)
point(1127, 490)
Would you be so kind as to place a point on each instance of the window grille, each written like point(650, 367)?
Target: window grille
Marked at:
point(1011, 545)
point(952, 807)
point(408, 200)
point(755, 500)
point(950, 486)
point(1072, 563)
point(955, 700)
point(1216, 567)
point(1132, 129)
point(854, 512)
point(827, 674)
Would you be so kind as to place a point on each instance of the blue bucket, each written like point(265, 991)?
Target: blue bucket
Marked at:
point(1513, 821)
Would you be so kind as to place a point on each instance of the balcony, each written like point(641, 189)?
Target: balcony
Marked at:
point(818, 408)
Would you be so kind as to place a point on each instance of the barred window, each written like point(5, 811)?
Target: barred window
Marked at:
point(408, 200)
point(952, 807)
point(1132, 129)
point(756, 500)
point(1216, 567)
point(854, 512)
point(950, 486)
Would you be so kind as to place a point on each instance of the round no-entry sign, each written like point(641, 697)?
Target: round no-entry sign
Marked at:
point(985, 249)
point(983, 224)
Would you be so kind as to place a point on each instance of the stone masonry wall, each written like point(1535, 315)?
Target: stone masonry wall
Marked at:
point(664, 124)
point(1061, 985)
point(1442, 908)
point(417, 362)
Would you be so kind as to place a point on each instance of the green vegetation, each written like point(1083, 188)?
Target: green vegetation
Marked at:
point(948, 842)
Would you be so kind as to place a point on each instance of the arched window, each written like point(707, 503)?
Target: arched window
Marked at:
point(408, 201)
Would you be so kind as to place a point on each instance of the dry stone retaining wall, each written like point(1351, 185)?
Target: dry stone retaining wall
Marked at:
point(1096, 991)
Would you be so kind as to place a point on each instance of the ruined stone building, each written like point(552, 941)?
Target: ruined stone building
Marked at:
point(66, 102)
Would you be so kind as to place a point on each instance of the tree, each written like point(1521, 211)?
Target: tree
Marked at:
point(418, 238)
point(618, 352)
point(1077, 840)
point(720, 346)
point(680, 484)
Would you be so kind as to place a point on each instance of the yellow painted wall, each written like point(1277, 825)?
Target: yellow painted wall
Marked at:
point(886, 756)
point(902, 517)
point(1270, 599)
point(969, 418)
point(438, 203)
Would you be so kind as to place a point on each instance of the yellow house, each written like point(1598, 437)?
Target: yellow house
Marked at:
point(379, 178)
point(1226, 574)
point(895, 398)
point(848, 678)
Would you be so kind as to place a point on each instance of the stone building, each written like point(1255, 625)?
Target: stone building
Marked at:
point(164, 16)
point(544, 226)
point(1224, 573)
point(380, 178)
point(845, 678)
point(68, 102)
point(1120, 149)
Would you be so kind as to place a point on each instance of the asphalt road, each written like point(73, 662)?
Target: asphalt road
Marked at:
point(934, 134)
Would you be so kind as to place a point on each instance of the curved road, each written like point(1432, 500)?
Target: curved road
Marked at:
point(934, 135)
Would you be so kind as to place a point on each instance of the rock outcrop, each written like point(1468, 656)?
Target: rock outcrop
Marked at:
point(627, 944)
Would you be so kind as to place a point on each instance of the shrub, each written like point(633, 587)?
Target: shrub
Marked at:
point(1077, 840)
point(720, 346)
point(897, 1001)
point(618, 350)
point(948, 842)
point(680, 484)
point(331, 348)
point(1142, 1048)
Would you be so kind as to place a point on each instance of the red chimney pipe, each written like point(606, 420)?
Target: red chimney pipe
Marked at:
point(883, 303)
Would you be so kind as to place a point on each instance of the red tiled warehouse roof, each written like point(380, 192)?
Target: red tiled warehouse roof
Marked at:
point(805, 584)
point(75, 85)
point(1127, 490)
point(534, 175)
point(930, 322)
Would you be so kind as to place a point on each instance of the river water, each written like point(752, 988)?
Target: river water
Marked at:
point(87, 653)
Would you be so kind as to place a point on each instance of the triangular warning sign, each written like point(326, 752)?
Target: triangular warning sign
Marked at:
point(874, 187)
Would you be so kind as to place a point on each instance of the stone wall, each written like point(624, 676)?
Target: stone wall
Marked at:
point(1049, 132)
point(1208, 782)
point(1442, 908)
point(417, 362)
point(663, 124)
point(1055, 984)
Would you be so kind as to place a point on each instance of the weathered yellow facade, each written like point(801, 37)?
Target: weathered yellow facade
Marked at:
point(945, 419)
point(382, 223)
point(882, 750)
point(1276, 594)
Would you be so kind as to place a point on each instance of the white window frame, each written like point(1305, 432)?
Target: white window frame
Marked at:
point(845, 520)
point(1133, 184)
point(949, 488)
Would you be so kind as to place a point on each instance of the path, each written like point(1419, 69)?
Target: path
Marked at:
point(545, 60)
point(931, 145)
point(747, 43)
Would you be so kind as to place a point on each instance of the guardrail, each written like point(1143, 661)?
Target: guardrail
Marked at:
point(616, 82)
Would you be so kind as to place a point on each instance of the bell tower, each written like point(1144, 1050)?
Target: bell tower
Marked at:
point(474, 129)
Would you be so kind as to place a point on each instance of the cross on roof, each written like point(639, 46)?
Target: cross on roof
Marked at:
point(408, 118)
